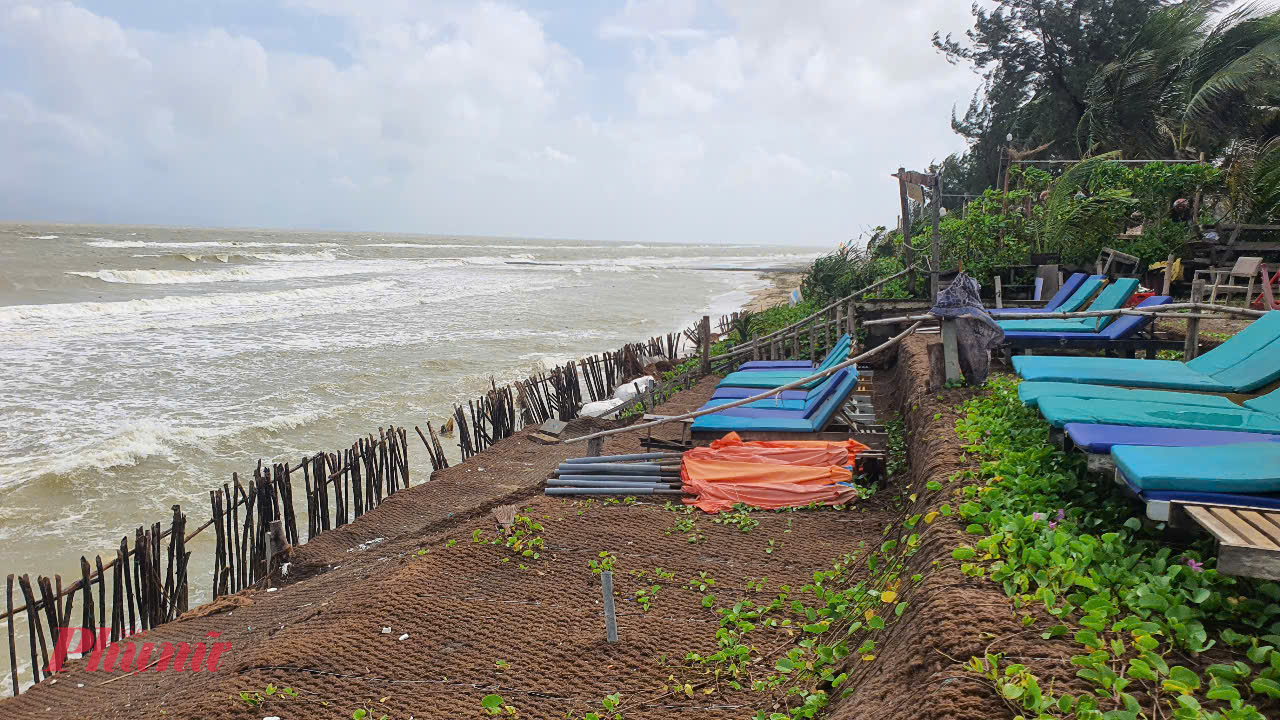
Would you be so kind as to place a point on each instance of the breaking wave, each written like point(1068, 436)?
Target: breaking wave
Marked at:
point(137, 441)
point(130, 315)
point(124, 244)
point(253, 273)
point(322, 256)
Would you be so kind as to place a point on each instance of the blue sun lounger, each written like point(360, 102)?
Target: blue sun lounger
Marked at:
point(1232, 491)
point(1165, 409)
point(1031, 393)
point(1246, 362)
point(812, 398)
point(810, 420)
point(787, 396)
point(1115, 334)
point(1057, 303)
point(1112, 297)
point(776, 378)
point(840, 350)
point(1241, 468)
point(1099, 439)
point(737, 393)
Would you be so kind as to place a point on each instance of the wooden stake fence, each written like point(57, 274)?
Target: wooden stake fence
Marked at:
point(254, 527)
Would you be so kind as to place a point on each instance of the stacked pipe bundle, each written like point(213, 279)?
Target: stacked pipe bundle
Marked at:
point(637, 474)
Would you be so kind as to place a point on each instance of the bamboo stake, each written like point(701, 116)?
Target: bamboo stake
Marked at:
point(13, 647)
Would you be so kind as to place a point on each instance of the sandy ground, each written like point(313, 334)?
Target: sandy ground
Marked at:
point(778, 294)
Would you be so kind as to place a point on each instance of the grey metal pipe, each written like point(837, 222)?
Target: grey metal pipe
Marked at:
point(603, 483)
point(621, 458)
point(616, 469)
point(632, 479)
point(608, 491)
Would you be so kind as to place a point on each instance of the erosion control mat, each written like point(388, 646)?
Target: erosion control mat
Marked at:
point(404, 613)
point(412, 611)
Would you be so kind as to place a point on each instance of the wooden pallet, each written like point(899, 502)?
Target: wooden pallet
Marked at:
point(1248, 539)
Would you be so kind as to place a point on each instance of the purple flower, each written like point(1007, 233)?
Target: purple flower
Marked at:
point(1061, 514)
point(1052, 525)
point(1197, 567)
point(1037, 516)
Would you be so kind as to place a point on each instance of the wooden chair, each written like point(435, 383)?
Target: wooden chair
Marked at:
point(1224, 281)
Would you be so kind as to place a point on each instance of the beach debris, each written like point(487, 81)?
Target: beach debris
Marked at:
point(601, 407)
point(386, 631)
point(367, 544)
point(634, 389)
point(404, 636)
point(505, 515)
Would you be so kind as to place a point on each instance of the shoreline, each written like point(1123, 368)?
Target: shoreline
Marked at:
point(779, 293)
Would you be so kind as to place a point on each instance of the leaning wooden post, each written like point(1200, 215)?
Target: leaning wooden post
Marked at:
point(935, 260)
point(999, 293)
point(706, 344)
point(907, 250)
point(1168, 275)
point(1192, 347)
point(950, 351)
point(610, 618)
point(13, 647)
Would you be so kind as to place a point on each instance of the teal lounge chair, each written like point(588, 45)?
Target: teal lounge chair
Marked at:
point(776, 378)
point(811, 420)
point(1031, 393)
point(1248, 361)
point(1166, 409)
point(811, 398)
point(1246, 468)
point(841, 348)
point(1112, 297)
point(1074, 293)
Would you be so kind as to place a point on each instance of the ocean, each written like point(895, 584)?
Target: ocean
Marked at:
point(141, 366)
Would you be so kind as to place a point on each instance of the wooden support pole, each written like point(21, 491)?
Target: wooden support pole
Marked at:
point(905, 207)
point(950, 351)
point(34, 628)
point(706, 344)
point(999, 293)
point(1168, 275)
point(610, 617)
point(13, 647)
point(935, 260)
point(1192, 347)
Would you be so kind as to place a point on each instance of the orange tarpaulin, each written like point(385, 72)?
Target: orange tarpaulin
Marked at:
point(788, 452)
point(769, 475)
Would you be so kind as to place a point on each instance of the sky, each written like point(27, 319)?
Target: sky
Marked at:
point(737, 121)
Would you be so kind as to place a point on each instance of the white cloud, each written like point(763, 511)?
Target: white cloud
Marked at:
point(743, 121)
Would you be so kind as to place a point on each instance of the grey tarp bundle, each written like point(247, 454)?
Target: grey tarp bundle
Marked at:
point(976, 333)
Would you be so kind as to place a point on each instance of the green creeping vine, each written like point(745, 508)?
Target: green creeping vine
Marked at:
point(521, 538)
point(897, 455)
point(1051, 536)
point(832, 619)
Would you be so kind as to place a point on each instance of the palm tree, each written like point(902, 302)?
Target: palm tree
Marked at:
point(1253, 181)
point(1189, 82)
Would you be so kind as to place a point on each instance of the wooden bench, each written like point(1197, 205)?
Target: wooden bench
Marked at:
point(1248, 539)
